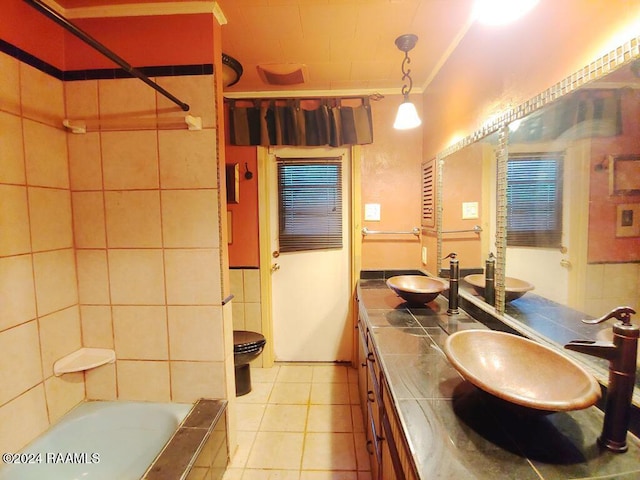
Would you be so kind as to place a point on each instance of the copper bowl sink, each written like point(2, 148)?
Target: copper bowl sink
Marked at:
point(514, 287)
point(416, 288)
point(521, 371)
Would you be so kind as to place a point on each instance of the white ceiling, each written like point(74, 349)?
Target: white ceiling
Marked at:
point(346, 45)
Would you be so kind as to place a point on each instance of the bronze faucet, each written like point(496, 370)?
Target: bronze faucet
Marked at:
point(622, 374)
point(454, 280)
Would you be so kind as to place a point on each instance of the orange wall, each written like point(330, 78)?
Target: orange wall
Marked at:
point(391, 177)
point(140, 41)
point(18, 21)
point(604, 246)
point(244, 251)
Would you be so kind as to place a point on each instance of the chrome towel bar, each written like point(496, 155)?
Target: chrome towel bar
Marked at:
point(414, 231)
point(475, 229)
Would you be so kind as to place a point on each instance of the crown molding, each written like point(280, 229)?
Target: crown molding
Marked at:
point(142, 9)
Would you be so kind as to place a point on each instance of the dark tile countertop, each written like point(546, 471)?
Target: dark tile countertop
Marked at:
point(455, 430)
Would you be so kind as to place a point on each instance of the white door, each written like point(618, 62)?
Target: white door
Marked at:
point(310, 289)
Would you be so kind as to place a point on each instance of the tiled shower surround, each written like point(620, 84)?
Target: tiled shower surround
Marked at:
point(109, 239)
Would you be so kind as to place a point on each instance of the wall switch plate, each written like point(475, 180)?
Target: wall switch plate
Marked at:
point(628, 220)
point(372, 212)
point(469, 210)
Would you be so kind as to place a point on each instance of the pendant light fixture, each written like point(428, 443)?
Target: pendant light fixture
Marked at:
point(407, 116)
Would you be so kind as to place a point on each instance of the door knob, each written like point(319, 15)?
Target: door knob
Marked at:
point(275, 267)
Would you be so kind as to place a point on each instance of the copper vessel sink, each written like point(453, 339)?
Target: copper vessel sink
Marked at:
point(514, 288)
point(416, 288)
point(521, 371)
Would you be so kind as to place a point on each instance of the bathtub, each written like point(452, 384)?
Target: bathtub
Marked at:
point(98, 441)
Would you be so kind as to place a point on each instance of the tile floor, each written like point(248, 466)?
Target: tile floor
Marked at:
point(300, 422)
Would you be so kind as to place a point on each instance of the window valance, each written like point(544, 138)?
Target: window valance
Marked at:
point(301, 122)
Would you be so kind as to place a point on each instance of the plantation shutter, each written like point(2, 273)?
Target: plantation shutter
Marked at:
point(428, 194)
point(534, 199)
point(310, 204)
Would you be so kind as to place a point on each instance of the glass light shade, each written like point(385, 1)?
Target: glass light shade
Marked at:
point(501, 12)
point(407, 117)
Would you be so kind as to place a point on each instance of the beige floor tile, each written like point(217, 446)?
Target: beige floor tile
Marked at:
point(357, 418)
point(249, 416)
point(327, 475)
point(329, 418)
point(259, 393)
point(240, 456)
point(330, 374)
point(354, 397)
point(233, 474)
point(255, 474)
point(362, 454)
point(328, 451)
point(330, 393)
point(295, 373)
point(352, 373)
point(264, 375)
point(278, 450)
point(284, 418)
point(290, 393)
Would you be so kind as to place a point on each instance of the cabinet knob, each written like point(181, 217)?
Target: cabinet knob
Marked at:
point(370, 447)
point(370, 357)
point(370, 396)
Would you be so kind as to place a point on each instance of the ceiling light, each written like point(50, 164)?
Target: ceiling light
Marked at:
point(500, 12)
point(407, 116)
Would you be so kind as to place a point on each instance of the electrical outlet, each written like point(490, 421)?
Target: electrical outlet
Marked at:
point(469, 210)
point(372, 212)
point(424, 255)
point(628, 220)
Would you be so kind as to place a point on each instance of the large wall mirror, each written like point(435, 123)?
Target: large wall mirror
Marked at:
point(572, 216)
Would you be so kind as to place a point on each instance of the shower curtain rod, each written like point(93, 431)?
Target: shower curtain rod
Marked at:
point(85, 37)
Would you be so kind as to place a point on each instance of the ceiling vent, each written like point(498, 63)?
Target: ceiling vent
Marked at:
point(283, 73)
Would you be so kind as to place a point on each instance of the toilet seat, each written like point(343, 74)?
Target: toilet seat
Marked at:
point(247, 342)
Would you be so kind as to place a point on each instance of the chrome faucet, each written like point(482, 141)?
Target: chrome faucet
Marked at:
point(622, 374)
point(454, 280)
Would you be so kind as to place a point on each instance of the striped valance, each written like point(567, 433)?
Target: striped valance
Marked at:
point(301, 122)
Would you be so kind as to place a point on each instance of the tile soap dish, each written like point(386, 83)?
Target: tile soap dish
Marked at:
point(83, 359)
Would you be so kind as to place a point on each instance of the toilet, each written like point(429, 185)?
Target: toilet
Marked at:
point(247, 346)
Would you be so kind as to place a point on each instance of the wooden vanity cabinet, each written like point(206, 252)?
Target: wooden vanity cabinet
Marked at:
point(388, 450)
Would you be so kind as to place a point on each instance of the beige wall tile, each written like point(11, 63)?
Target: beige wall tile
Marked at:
point(143, 380)
point(195, 333)
point(193, 277)
point(14, 214)
point(85, 161)
point(10, 85)
point(88, 220)
point(50, 215)
point(100, 383)
point(188, 159)
point(193, 380)
point(238, 315)
point(46, 155)
point(252, 317)
point(190, 218)
point(236, 284)
point(63, 393)
point(195, 90)
point(17, 291)
point(11, 150)
point(93, 277)
point(97, 329)
point(22, 368)
point(59, 336)
point(140, 332)
point(251, 285)
point(130, 160)
point(23, 419)
point(133, 219)
point(136, 277)
point(81, 99)
point(56, 285)
point(124, 98)
point(42, 95)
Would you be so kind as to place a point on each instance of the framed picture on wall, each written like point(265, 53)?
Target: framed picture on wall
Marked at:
point(624, 174)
